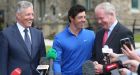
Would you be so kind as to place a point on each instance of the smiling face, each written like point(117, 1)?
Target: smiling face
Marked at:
point(79, 20)
point(25, 17)
point(103, 18)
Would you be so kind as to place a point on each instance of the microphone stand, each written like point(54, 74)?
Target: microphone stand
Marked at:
point(106, 58)
point(107, 61)
point(51, 72)
point(41, 73)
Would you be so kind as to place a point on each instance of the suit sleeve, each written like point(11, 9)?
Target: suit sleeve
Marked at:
point(42, 47)
point(3, 54)
point(93, 57)
point(129, 34)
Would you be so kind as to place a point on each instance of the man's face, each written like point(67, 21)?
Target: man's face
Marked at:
point(79, 20)
point(103, 18)
point(25, 17)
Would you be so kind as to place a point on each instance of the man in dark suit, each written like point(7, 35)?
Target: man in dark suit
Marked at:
point(110, 34)
point(21, 46)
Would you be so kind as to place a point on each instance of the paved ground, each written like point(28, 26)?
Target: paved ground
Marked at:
point(50, 42)
point(137, 44)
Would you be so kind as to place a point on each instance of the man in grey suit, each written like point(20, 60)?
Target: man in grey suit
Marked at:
point(110, 34)
point(21, 46)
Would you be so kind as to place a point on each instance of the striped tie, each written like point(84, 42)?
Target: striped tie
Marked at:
point(105, 37)
point(27, 40)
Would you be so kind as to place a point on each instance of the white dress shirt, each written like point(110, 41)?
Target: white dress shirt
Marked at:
point(21, 30)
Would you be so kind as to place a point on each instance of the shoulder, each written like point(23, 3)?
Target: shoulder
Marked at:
point(123, 28)
point(59, 38)
point(63, 33)
point(124, 31)
point(88, 34)
point(60, 35)
point(10, 28)
point(35, 30)
point(99, 31)
point(88, 31)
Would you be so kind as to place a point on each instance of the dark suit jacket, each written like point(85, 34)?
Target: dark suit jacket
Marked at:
point(14, 53)
point(113, 41)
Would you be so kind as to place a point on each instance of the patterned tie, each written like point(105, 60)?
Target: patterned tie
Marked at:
point(105, 37)
point(27, 40)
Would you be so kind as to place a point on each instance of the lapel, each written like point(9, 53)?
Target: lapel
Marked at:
point(113, 33)
point(20, 39)
point(99, 37)
point(34, 39)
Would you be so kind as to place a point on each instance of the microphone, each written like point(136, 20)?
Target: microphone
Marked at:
point(88, 68)
point(51, 55)
point(105, 51)
point(16, 71)
point(113, 67)
point(43, 67)
point(43, 61)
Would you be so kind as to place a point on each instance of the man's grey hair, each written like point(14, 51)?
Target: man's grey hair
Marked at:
point(108, 7)
point(21, 5)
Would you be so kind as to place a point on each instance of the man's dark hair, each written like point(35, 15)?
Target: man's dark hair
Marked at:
point(74, 10)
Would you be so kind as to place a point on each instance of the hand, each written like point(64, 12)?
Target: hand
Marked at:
point(133, 64)
point(124, 71)
point(98, 68)
point(113, 57)
point(130, 53)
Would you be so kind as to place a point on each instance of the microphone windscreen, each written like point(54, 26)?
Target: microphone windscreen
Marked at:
point(16, 71)
point(51, 54)
point(88, 68)
point(43, 61)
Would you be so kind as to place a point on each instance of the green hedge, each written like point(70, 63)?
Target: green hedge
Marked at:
point(137, 37)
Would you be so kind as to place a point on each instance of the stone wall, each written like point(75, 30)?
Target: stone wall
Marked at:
point(126, 15)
